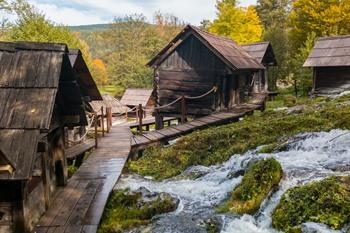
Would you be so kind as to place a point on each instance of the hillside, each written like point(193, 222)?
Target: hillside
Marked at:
point(89, 28)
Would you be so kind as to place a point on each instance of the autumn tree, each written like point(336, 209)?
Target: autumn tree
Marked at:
point(99, 72)
point(238, 23)
point(324, 18)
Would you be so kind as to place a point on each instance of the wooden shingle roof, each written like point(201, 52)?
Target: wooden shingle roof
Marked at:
point(225, 49)
point(34, 78)
point(87, 84)
point(330, 52)
point(262, 52)
point(134, 97)
point(109, 102)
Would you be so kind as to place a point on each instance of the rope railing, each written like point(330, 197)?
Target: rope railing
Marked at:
point(89, 127)
point(214, 89)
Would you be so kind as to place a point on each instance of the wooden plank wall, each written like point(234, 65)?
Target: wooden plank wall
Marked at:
point(332, 79)
point(190, 70)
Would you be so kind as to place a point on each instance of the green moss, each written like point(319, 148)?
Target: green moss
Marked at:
point(258, 181)
point(290, 101)
point(217, 144)
point(326, 201)
point(123, 211)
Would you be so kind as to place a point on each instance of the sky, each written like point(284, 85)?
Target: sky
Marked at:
point(83, 12)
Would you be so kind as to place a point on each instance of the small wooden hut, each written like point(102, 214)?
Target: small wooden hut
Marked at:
point(109, 101)
point(263, 53)
point(192, 64)
point(330, 60)
point(39, 96)
point(134, 96)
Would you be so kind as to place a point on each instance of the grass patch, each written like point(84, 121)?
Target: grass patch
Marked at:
point(326, 201)
point(113, 90)
point(217, 144)
point(258, 181)
point(126, 211)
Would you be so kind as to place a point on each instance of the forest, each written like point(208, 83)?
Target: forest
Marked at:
point(117, 52)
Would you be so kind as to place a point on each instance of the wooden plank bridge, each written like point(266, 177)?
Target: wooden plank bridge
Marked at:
point(79, 206)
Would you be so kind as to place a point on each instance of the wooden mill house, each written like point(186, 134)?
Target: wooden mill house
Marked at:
point(330, 60)
point(193, 63)
point(40, 94)
point(263, 53)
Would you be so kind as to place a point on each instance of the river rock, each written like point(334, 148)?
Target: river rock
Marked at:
point(235, 174)
point(193, 173)
point(296, 110)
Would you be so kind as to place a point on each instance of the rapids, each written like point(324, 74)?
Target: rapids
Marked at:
point(309, 157)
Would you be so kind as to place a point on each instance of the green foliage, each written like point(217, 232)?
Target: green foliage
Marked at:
point(128, 45)
point(258, 181)
point(124, 211)
point(217, 144)
point(238, 23)
point(326, 201)
point(289, 101)
point(274, 14)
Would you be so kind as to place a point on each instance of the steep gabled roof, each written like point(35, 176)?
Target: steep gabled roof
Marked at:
point(225, 49)
point(86, 82)
point(134, 97)
point(35, 78)
point(262, 52)
point(330, 51)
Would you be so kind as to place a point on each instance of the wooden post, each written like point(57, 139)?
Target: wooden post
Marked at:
point(109, 119)
point(102, 122)
point(96, 140)
point(140, 116)
point(158, 120)
point(183, 110)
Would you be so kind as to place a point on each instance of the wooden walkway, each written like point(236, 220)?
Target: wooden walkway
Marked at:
point(74, 151)
point(79, 206)
point(141, 142)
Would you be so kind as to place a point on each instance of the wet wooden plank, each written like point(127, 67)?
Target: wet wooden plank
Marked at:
point(80, 205)
point(74, 151)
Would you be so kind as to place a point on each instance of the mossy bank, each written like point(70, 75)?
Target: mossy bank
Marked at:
point(326, 201)
point(217, 144)
point(259, 180)
point(126, 210)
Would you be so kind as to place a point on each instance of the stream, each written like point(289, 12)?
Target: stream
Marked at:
point(309, 157)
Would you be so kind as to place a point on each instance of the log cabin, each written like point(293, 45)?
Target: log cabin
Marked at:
point(109, 101)
point(330, 61)
point(263, 53)
point(39, 96)
point(193, 63)
point(133, 97)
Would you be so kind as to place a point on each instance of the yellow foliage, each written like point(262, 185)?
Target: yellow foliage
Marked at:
point(325, 18)
point(241, 24)
point(99, 72)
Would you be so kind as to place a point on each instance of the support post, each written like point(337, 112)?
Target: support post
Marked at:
point(109, 119)
point(102, 122)
point(140, 116)
point(183, 110)
point(96, 140)
point(158, 120)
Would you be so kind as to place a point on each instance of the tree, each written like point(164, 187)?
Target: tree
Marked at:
point(302, 77)
point(238, 23)
point(274, 16)
point(324, 18)
point(99, 72)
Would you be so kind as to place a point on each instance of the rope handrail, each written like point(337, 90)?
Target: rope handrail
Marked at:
point(87, 130)
point(214, 89)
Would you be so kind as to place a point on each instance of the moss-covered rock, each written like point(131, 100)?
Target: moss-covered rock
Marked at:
point(217, 144)
point(326, 201)
point(258, 181)
point(126, 210)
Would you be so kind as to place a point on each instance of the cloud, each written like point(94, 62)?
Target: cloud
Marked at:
point(79, 12)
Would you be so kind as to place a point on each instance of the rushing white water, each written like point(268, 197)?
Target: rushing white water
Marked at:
point(310, 157)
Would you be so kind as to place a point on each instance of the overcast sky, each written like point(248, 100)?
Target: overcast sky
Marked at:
point(81, 12)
